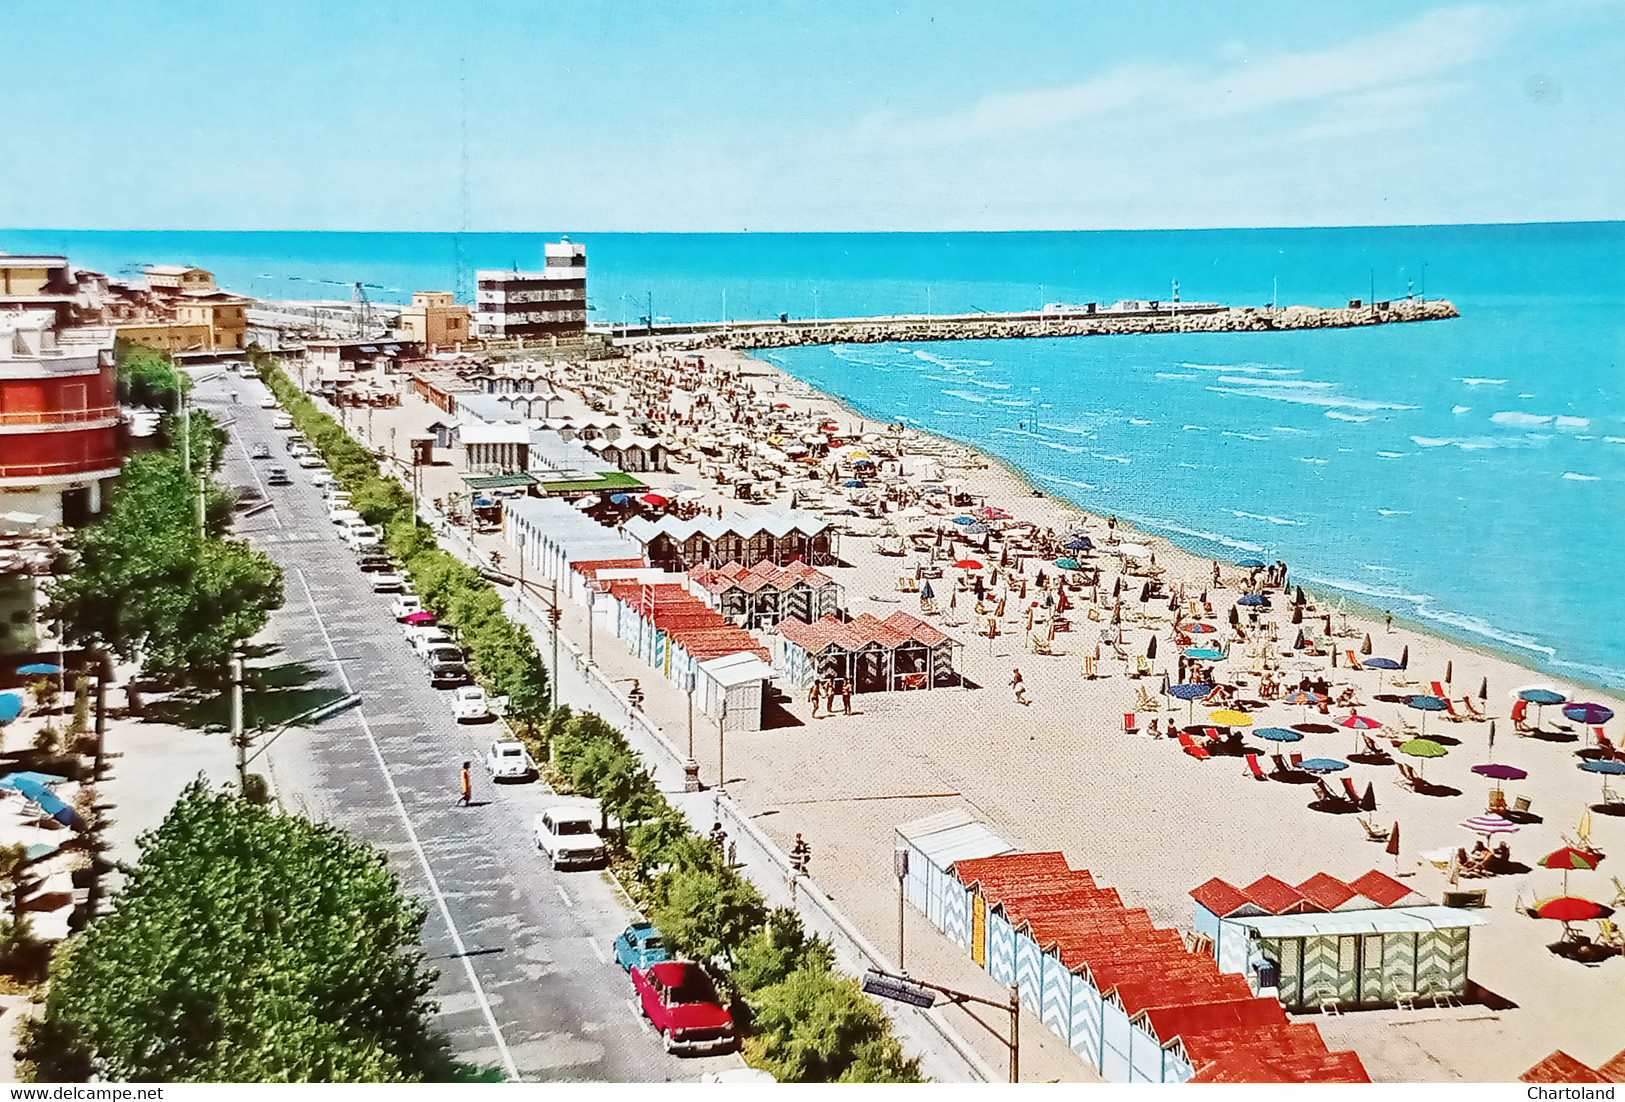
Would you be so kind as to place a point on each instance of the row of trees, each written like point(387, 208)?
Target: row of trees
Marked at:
point(809, 1024)
point(152, 584)
point(502, 654)
point(245, 946)
point(147, 377)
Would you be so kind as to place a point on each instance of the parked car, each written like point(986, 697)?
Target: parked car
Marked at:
point(442, 653)
point(682, 1003)
point(425, 639)
point(282, 423)
point(386, 581)
point(508, 760)
point(269, 402)
point(405, 604)
point(356, 535)
point(376, 562)
point(448, 675)
point(278, 476)
point(567, 836)
point(343, 515)
point(639, 946)
point(310, 461)
point(261, 451)
point(469, 704)
point(321, 477)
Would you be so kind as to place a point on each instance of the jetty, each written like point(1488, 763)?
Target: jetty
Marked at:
point(1087, 319)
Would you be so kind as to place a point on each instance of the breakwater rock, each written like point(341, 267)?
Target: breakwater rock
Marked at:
point(902, 328)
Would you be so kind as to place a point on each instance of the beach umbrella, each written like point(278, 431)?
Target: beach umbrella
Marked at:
point(1405, 657)
point(1150, 648)
point(1187, 691)
point(1145, 593)
point(1253, 600)
point(1492, 734)
point(1297, 644)
point(47, 667)
point(1498, 773)
point(1235, 617)
point(1568, 858)
point(1607, 767)
point(1079, 543)
point(1422, 748)
point(1449, 668)
point(1062, 601)
point(620, 499)
point(1540, 698)
point(1484, 689)
point(1381, 663)
point(1569, 908)
point(1297, 616)
point(957, 520)
point(1490, 823)
point(1322, 765)
point(1206, 654)
point(1365, 647)
point(1249, 564)
point(1425, 703)
point(1358, 722)
point(967, 564)
point(1200, 628)
point(1279, 734)
point(1133, 550)
point(926, 592)
point(11, 705)
point(31, 776)
point(1298, 597)
point(1589, 714)
point(653, 499)
point(1368, 801)
point(1117, 586)
point(1393, 844)
point(47, 801)
point(953, 599)
point(1068, 563)
point(1230, 717)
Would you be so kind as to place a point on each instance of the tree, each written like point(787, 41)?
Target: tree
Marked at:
point(775, 950)
point(707, 912)
point(147, 377)
point(246, 946)
point(815, 1027)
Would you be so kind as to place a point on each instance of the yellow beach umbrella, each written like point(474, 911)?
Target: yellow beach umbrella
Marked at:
point(1229, 717)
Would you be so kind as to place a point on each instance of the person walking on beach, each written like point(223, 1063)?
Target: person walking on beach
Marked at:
point(812, 696)
point(1019, 687)
point(829, 696)
point(467, 785)
point(1389, 616)
point(846, 696)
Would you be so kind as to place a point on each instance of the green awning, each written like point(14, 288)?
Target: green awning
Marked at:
point(499, 481)
point(606, 480)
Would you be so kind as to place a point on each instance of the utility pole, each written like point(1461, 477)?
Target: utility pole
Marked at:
point(722, 720)
point(691, 768)
point(905, 989)
point(202, 488)
point(553, 615)
point(238, 738)
point(900, 867)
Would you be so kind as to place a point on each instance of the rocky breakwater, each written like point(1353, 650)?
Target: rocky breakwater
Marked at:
point(1031, 324)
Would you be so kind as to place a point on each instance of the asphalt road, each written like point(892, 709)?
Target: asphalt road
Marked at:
point(526, 981)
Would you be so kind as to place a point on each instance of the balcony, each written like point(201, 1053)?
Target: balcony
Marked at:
point(58, 416)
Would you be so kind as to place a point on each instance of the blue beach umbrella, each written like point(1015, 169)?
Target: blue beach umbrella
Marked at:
point(39, 668)
point(1425, 703)
point(1608, 767)
point(1322, 765)
point(854, 482)
point(1380, 663)
point(1249, 564)
point(1068, 563)
point(1205, 653)
point(926, 592)
point(1188, 691)
point(1279, 734)
point(1540, 698)
point(11, 780)
point(48, 802)
point(620, 499)
point(957, 520)
point(1253, 600)
point(936, 489)
point(1079, 543)
point(1589, 714)
point(977, 529)
point(11, 705)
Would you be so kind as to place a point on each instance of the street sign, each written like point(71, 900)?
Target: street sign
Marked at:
point(898, 989)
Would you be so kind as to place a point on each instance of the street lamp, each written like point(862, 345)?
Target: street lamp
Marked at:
point(921, 993)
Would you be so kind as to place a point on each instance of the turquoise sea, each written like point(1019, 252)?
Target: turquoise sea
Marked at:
point(1468, 474)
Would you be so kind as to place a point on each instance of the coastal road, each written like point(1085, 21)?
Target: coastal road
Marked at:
point(526, 981)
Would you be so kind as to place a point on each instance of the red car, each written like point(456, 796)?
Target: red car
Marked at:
point(683, 1004)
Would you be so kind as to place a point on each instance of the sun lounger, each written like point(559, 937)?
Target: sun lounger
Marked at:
point(1297, 760)
point(1130, 726)
point(1473, 710)
point(1188, 744)
point(1374, 750)
point(1324, 794)
point(1498, 801)
point(1408, 777)
point(1255, 770)
point(1354, 662)
point(1348, 787)
point(1373, 832)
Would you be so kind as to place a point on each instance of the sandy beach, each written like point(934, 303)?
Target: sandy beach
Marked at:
point(1060, 772)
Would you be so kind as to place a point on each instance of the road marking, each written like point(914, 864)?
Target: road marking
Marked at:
point(597, 952)
point(564, 895)
point(253, 470)
point(637, 1015)
point(417, 846)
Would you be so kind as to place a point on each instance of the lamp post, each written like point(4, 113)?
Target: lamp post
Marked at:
point(691, 768)
point(920, 993)
point(238, 739)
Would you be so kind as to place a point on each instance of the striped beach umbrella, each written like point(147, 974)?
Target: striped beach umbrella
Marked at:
point(1490, 823)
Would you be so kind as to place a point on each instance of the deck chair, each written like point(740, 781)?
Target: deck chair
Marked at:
point(1041, 645)
point(1130, 725)
point(1354, 661)
point(1408, 777)
point(1498, 800)
point(1326, 795)
point(1255, 770)
point(1450, 712)
point(1609, 934)
point(1619, 892)
point(1297, 760)
point(1188, 744)
point(1373, 832)
point(1145, 701)
point(1374, 750)
point(1473, 710)
point(1438, 690)
point(1349, 789)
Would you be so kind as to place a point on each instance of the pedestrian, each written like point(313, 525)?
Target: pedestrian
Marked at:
point(829, 697)
point(1215, 573)
point(1389, 616)
point(467, 785)
point(1153, 729)
point(846, 695)
point(812, 696)
point(1020, 688)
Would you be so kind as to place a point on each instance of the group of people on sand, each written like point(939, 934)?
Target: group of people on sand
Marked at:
point(828, 689)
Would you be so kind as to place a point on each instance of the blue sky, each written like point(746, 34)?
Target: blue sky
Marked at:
point(280, 114)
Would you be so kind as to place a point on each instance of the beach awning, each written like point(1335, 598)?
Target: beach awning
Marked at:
point(606, 480)
point(1383, 920)
point(509, 481)
point(952, 836)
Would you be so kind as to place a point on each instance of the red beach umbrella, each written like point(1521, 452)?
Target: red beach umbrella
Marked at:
point(1360, 723)
point(1571, 908)
point(967, 564)
point(652, 499)
point(1569, 858)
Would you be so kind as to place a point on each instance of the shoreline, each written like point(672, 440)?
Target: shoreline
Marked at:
point(1357, 606)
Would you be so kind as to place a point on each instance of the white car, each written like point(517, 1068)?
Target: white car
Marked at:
point(358, 535)
point(567, 836)
point(321, 477)
point(310, 461)
point(425, 639)
point(470, 705)
point(387, 581)
point(283, 423)
point(405, 604)
point(509, 760)
point(268, 402)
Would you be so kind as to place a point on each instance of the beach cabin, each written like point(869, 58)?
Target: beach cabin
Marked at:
point(1127, 996)
point(780, 538)
point(1369, 942)
point(898, 653)
point(764, 594)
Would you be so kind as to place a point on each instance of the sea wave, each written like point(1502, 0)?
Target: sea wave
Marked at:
point(1193, 428)
point(1058, 480)
point(1334, 401)
point(1519, 419)
point(1392, 455)
point(1466, 444)
point(1313, 459)
point(1243, 435)
point(1285, 384)
point(1613, 440)
point(991, 385)
point(1140, 421)
point(965, 394)
point(1484, 382)
point(943, 361)
point(1339, 415)
point(1606, 675)
point(1175, 375)
point(1288, 428)
point(1112, 458)
point(1393, 512)
point(1249, 369)
point(1062, 447)
point(1460, 409)
point(959, 413)
point(1572, 424)
point(1265, 516)
point(1573, 477)
point(1016, 402)
point(1479, 626)
point(1211, 537)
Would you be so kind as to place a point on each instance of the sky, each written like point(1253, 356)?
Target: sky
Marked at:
point(693, 116)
